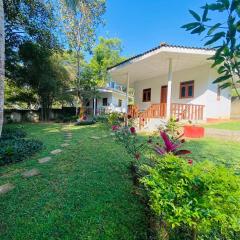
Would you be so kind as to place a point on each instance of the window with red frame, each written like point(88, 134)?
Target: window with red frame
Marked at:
point(147, 95)
point(187, 89)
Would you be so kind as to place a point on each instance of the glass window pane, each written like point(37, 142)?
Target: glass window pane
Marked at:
point(190, 91)
point(183, 92)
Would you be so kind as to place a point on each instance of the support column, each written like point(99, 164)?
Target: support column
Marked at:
point(126, 115)
point(94, 106)
point(127, 94)
point(169, 90)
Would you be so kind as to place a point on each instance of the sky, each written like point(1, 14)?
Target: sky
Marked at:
point(144, 24)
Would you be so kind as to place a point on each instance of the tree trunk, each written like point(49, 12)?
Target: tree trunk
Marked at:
point(2, 61)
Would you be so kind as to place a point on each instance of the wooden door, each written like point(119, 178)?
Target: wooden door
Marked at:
point(163, 94)
point(163, 101)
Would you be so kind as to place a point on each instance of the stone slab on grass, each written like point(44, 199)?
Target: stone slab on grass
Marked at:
point(44, 160)
point(31, 173)
point(65, 145)
point(56, 151)
point(95, 137)
point(6, 188)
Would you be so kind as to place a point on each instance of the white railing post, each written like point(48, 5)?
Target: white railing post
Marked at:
point(169, 90)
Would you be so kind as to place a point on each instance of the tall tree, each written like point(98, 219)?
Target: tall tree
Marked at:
point(106, 54)
point(223, 36)
point(42, 71)
point(80, 20)
point(2, 61)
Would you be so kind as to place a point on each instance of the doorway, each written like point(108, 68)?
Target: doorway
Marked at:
point(163, 101)
point(163, 94)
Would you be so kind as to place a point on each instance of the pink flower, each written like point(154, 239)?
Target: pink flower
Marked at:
point(115, 127)
point(84, 118)
point(132, 130)
point(190, 161)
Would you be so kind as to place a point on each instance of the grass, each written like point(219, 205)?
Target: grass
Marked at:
point(231, 125)
point(84, 193)
point(215, 150)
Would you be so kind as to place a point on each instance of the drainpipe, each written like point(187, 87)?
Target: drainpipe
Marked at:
point(169, 90)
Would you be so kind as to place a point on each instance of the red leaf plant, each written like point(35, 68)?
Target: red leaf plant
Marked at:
point(170, 146)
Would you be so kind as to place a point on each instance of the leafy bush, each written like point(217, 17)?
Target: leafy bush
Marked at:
point(14, 148)
point(115, 118)
point(202, 201)
point(13, 133)
point(103, 118)
point(127, 136)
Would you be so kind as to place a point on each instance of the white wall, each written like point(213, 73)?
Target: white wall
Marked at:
point(112, 101)
point(217, 109)
point(205, 93)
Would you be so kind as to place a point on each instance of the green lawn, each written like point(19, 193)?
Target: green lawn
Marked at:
point(84, 193)
point(215, 150)
point(232, 125)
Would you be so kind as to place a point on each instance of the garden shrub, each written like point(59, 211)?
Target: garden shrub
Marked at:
point(200, 201)
point(115, 118)
point(14, 148)
point(12, 133)
point(103, 118)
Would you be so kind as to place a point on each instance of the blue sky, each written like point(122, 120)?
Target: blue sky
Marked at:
point(144, 24)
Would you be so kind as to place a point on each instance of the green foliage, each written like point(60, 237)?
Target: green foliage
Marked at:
point(127, 136)
point(115, 118)
point(14, 148)
point(12, 133)
point(26, 20)
point(172, 128)
point(223, 37)
point(106, 54)
point(204, 198)
point(43, 72)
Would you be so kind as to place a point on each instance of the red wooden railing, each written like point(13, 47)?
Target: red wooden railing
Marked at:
point(133, 111)
point(158, 110)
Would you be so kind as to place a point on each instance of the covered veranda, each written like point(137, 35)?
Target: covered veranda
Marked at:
point(165, 60)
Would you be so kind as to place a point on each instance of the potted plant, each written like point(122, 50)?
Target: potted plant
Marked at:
point(193, 131)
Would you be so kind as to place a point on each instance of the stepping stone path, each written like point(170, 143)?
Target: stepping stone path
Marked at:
point(44, 160)
point(65, 145)
point(56, 151)
point(6, 188)
point(31, 173)
point(95, 137)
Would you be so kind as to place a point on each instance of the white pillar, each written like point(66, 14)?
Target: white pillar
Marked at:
point(169, 90)
point(128, 78)
point(94, 107)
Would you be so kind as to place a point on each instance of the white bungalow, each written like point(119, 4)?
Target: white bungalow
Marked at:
point(111, 98)
point(173, 81)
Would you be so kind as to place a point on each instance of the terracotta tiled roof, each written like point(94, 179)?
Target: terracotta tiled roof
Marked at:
point(158, 47)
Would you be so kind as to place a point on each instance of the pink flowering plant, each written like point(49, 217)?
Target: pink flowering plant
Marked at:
point(128, 137)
